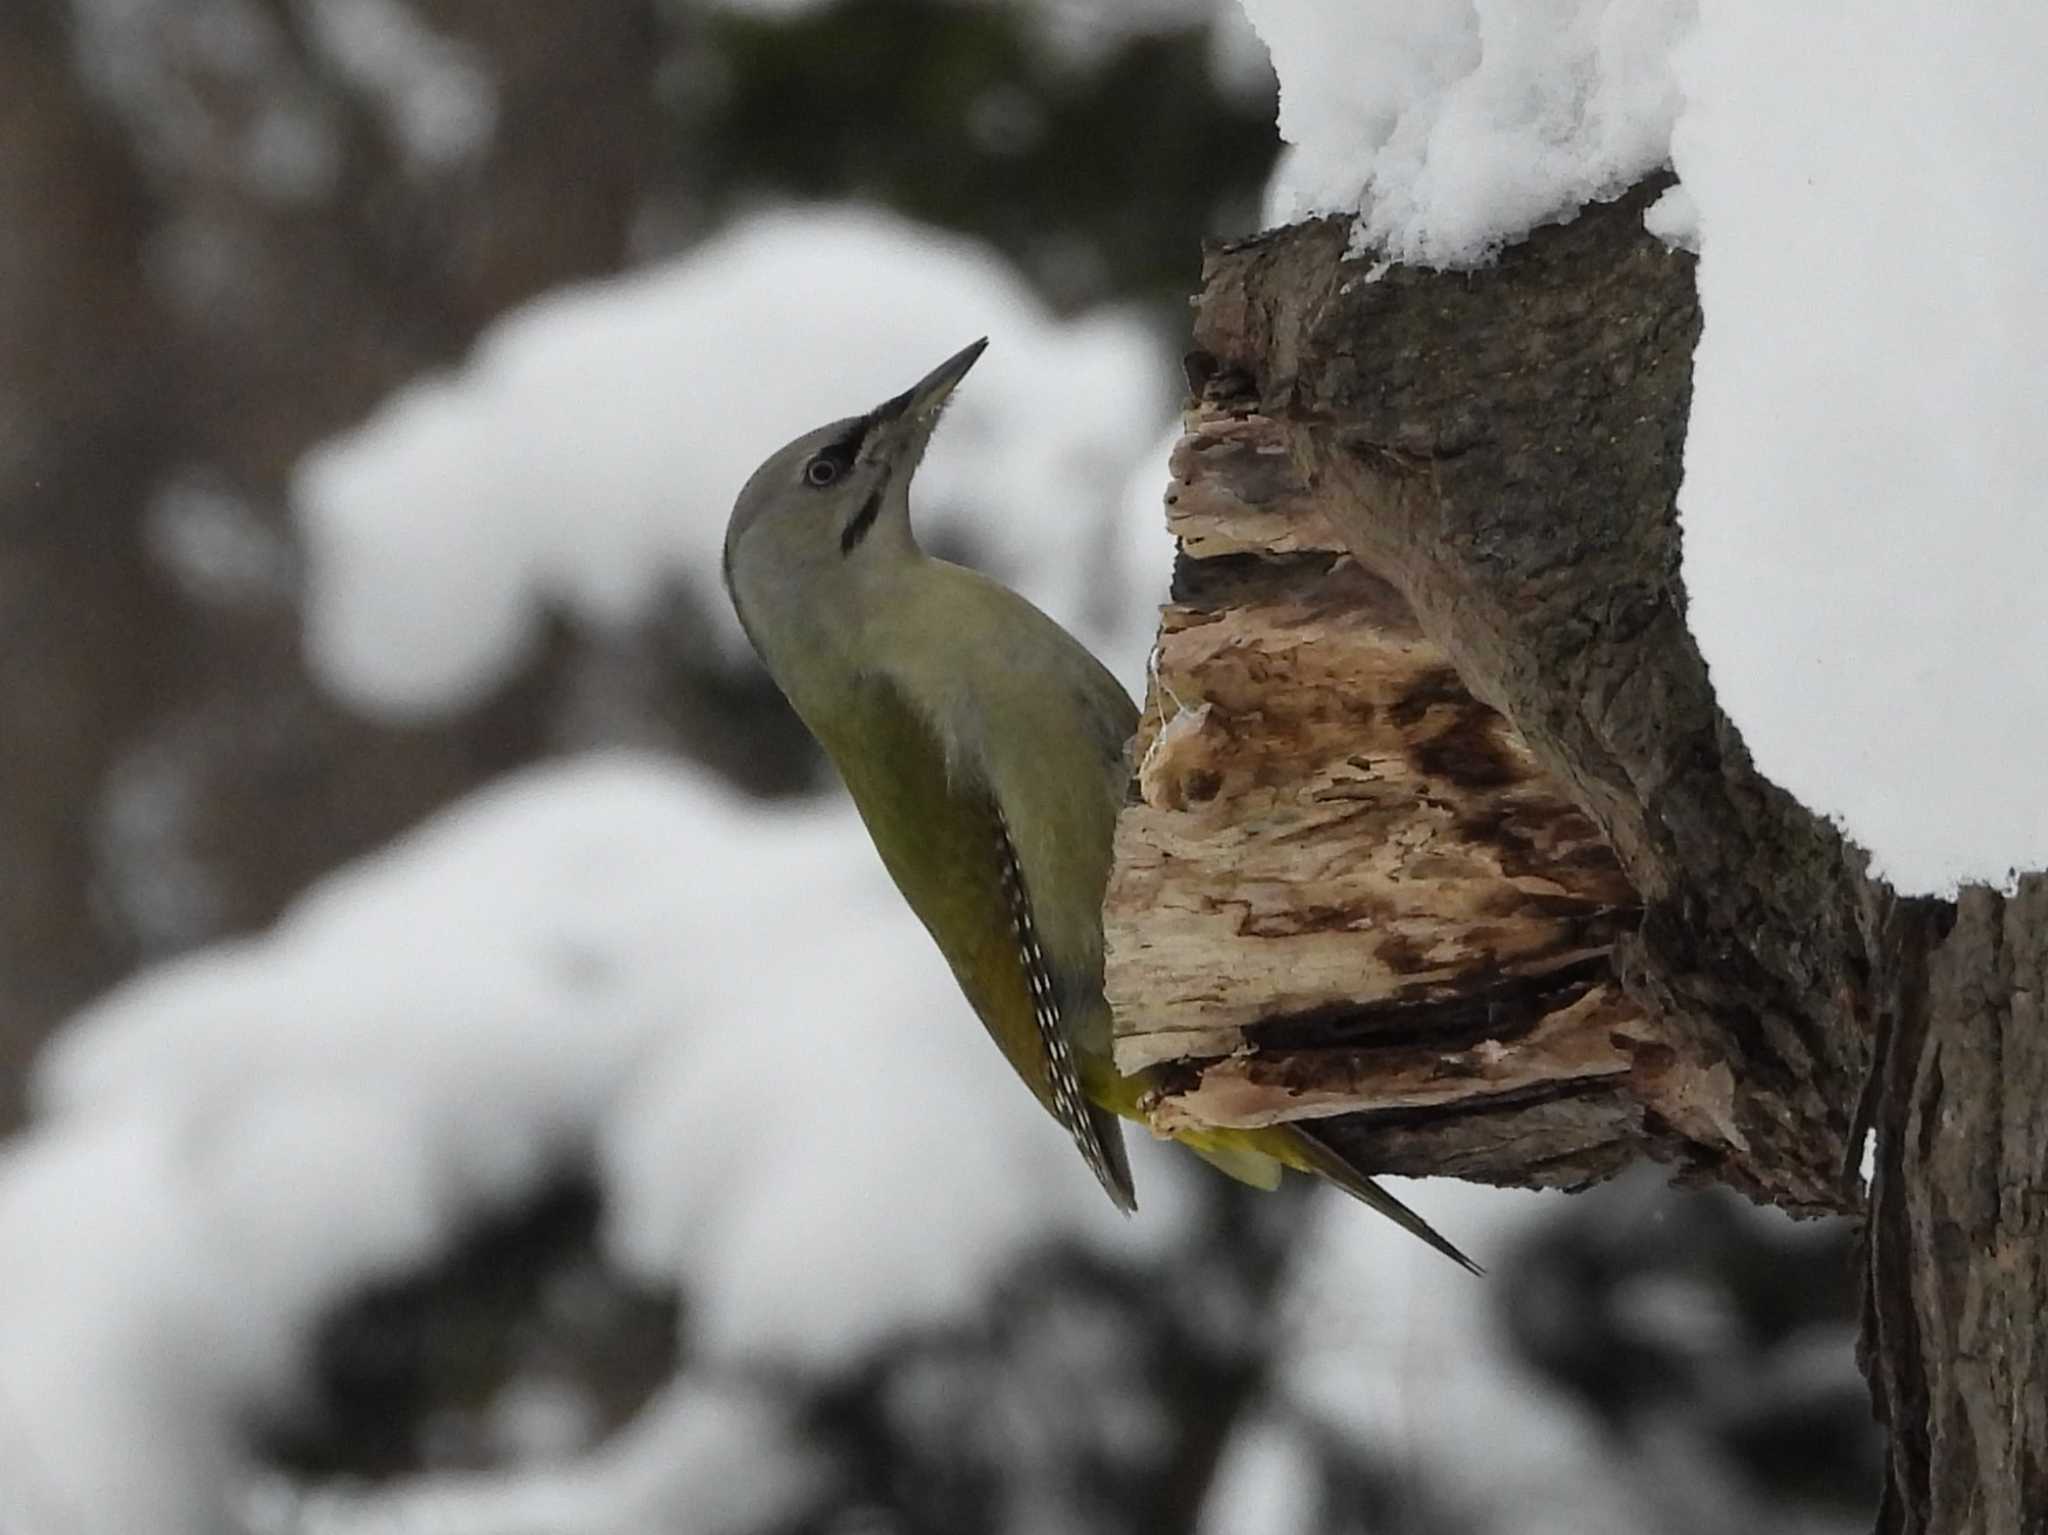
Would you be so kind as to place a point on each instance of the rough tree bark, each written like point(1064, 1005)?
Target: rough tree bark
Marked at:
point(1440, 837)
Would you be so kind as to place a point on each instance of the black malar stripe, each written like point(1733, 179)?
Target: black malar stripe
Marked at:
point(864, 519)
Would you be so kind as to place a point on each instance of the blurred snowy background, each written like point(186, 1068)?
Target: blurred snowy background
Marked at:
point(463, 1068)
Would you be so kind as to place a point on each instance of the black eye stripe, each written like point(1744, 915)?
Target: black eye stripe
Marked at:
point(840, 454)
point(849, 445)
point(864, 519)
point(888, 410)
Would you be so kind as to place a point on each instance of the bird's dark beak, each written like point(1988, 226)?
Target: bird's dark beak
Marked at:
point(931, 391)
point(912, 414)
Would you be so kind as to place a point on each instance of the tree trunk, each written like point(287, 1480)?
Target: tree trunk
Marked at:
point(1440, 837)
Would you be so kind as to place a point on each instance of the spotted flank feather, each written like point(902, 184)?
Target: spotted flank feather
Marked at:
point(1083, 1121)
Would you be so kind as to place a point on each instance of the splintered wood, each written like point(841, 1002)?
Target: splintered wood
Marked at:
point(1344, 884)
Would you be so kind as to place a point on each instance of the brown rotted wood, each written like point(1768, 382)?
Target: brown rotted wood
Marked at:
point(1349, 886)
point(1347, 880)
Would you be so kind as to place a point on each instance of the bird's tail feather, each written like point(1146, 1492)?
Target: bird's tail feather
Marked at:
point(1321, 1159)
point(1112, 1163)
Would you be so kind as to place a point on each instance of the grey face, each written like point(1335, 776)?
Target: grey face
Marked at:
point(816, 500)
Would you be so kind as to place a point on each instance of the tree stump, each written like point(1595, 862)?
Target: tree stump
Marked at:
point(1439, 837)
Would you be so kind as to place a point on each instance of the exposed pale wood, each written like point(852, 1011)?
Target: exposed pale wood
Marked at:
point(1346, 885)
point(1234, 491)
point(1325, 807)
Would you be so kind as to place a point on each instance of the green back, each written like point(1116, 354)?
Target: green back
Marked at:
point(939, 840)
point(1037, 727)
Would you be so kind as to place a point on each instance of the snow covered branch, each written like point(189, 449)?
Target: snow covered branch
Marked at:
point(1441, 835)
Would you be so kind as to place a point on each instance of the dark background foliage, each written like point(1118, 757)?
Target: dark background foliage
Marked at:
point(181, 323)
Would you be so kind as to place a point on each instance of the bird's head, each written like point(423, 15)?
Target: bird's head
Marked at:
point(840, 493)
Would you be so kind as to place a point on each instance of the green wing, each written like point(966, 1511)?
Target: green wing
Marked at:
point(945, 844)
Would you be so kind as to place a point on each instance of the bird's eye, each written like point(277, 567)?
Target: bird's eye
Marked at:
point(822, 471)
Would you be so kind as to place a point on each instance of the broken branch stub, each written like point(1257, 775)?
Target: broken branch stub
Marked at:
point(1439, 837)
point(1346, 886)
